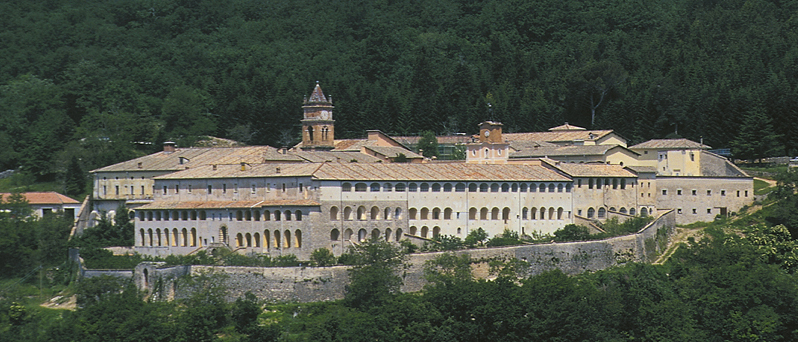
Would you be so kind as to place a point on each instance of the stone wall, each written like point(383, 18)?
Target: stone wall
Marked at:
point(310, 284)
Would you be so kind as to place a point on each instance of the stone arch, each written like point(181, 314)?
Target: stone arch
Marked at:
point(602, 212)
point(388, 234)
point(591, 212)
point(494, 214)
point(483, 214)
point(559, 213)
point(436, 231)
point(248, 240)
point(506, 213)
point(266, 239)
point(348, 234)
point(472, 213)
point(424, 231)
point(375, 213)
point(256, 239)
point(425, 213)
point(335, 234)
point(287, 236)
point(412, 213)
point(399, 234)
point(361, 213)
point(447, 214)
point(436, 213)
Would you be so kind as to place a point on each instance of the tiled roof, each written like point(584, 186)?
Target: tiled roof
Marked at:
point(670, 144)
point(393, 151)
point(557, 136)
point(49, 197)
point(336, 156)
point(197, 156)
point(317, 95)
point(560, 151)
point(442, 139)
point(436, 172)
point(567, 127)
point(642, 169)
point(378, 171)
point(226, 204)
point(591, 169)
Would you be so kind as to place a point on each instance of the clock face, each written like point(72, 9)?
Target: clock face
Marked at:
point(487, 134)
point(325, 114)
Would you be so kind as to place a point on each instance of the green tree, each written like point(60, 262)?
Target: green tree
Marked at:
point(322, 257)
point(428, 144)
point(756, 138)
point(374, 277)
point(75, 180)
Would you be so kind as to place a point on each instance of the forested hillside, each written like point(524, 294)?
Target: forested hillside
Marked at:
point(103, 81)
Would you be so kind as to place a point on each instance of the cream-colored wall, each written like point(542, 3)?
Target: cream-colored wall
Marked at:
point(680, 163)
point(611, 194)
point(619, 156)
point(611, 139)
point(647, 157)
point(105, 184)
point(487, 153)
point(729, 193)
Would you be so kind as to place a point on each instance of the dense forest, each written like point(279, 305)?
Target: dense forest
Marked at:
point(104, 81)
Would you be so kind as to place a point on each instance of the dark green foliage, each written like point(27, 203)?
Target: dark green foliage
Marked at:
point(572, 232)
point(375, 277)
point(476, 237)
point(107, 233)
point(508, 238)
point(75, 180)
point(443, 243)
point(428, 144)
point(322, 257)
point(245, 313)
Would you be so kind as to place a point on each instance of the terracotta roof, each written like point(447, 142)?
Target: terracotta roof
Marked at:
point(198, 156)
point(336, 156)
point(591, 169)
point(557, 136)
point(377, 171)
point(393, 151)
point(567, 127)
point(317, 95)
point(442, 139)
point(49, 197)
point(670, 144)
point(561, 151)
point(226, 204)
point(436, 172)
point(642, 169)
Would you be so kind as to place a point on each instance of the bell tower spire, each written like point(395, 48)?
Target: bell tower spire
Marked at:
point(318, 126)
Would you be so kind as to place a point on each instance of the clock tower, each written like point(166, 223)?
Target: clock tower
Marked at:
point(318, 125)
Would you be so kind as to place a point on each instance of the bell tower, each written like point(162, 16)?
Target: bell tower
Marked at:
point(318, 126)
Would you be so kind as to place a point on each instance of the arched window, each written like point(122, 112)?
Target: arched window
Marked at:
point(142, 216)
point(559, 213)
point(436, 187)
point(612, 209)
point(375, 234)
point(298, 215)
point(515, 187)
point(412, 213)
point(248, 239)
point(346, 187)
point(149, 237)
point(447, 187)
point(542, 188)
point(436, 214)
point(447, 214)
point(248, 215)
point(424, 231)
point(333, 213)
point(523, 187)
point(551, 187)
point(360, 187)
point(643, 211)
point(375, 187)
point(347, 213)
point(591, 212)
point(532, 213)
point(602, 212)
point(424, 214)
point(413, 230)
point(459, 187)
point(506, 214)
point(267, 242)
point(483, 214)
point(623, 210)
point(483, 187)
point(542, 213)
point(158, 234)
point(334, 235)
point(388, 235)
point(203, 215)
point(184, 237)
point(287, 242)
point(399, 234)
point(412, 187)
point(424, 187)
point(157, 216)
point(524, 213)
point(533, 187)
point(387, 187)
point(298, 238)
point(267, 215)
point(559, 187)
point(472, 214)
point(400, 187)
point(632, 211)
point(288, 215)
point(375, 213)
point(348, 234)
point(361, 213)
point(386, 214)
point(494, 187)
point(568, 187)
point(505, 187)
point(193, 237)
point(277, 215)
point(397, 215)
point(256, 239)
point(239, 240)
point(361, 235)
point(472, 187)
point(436, 231)
point(494, 214)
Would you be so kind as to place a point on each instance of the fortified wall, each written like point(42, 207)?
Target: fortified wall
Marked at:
point(310, 284)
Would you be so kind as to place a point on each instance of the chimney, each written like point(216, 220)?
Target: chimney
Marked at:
point(169, 146)
point(139, 165)
point(214, 167)
point(243, 166)
point(278, 170)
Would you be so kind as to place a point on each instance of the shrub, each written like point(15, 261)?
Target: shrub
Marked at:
point(322, 257)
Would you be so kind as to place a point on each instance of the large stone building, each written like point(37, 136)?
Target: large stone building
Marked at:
point(328, 193)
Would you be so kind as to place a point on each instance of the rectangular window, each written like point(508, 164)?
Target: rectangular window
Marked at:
point(623, 183)
point(132, 190)
point(709, 210)
point(189, 188)
point(177, 189)
point(105, 190)
point(664, 192)
point(695, 192)
point(723, 192)
point(679, 192)
point(253, 188)
point(116, 189)
point(738, 193)
point(695, 211)
point(590, 183)
point(579, 183)
point(224, 188)
point(301, 188)
point(164, 189)
point(679, 211)
point(283, 187)
point(615, 183)
point(142, 189)
point(746, 193)
point(210, 189)
point(235, 188)
point(709, 192)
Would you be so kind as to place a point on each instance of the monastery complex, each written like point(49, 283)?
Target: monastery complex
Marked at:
point(328, 193)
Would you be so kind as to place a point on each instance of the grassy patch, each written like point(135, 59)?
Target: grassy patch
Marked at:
point(768, 169)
